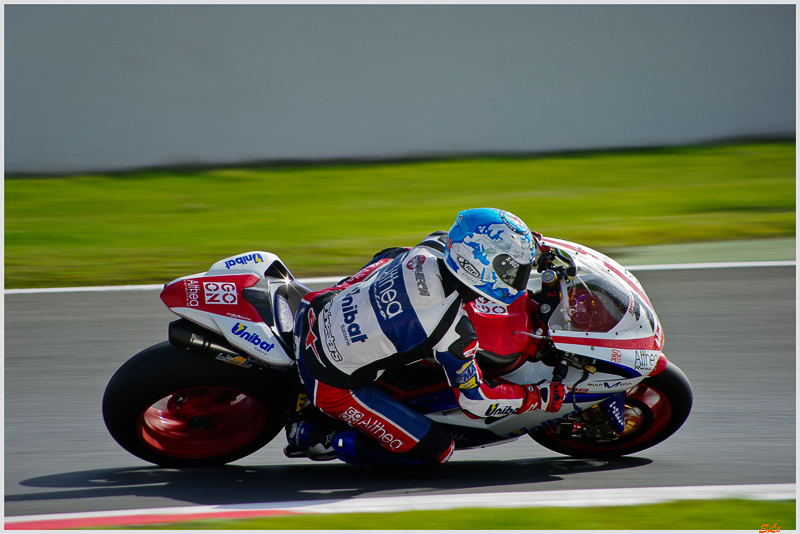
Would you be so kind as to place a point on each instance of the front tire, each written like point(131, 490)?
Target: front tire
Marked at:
point(178, 409)
point(654, 410)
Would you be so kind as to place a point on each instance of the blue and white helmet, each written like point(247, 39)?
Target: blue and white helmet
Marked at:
point(491, 251)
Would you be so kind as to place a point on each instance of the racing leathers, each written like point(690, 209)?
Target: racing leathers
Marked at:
point(402, 307)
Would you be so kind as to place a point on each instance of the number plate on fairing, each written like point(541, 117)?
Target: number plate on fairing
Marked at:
point(215, 300)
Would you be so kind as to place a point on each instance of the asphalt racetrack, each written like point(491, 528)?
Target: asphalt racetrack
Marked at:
point(731, 330)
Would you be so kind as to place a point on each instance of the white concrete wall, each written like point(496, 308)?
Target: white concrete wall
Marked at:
point(93, 87)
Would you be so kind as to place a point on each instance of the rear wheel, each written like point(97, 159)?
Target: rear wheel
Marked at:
point(178, 409)
point(654, 410)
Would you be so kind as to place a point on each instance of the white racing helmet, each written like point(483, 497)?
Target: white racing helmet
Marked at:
point(491, 251)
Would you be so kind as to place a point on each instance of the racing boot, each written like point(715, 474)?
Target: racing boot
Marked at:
point(355, 448)
point(306, 439)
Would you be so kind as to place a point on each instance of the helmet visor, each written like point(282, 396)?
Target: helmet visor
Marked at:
point(511, 271)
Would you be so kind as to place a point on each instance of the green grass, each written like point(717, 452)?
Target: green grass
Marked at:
point(729, 514)
point(150, 227)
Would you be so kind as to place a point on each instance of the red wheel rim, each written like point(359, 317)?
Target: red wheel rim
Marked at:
point(201, 422)
point(644, 398)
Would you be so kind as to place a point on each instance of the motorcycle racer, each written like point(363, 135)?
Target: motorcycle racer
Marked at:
point(407, 304)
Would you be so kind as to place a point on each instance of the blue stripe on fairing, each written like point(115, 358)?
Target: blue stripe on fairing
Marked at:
point(435, 402)
point(387, 408)
point(586, 397)
point(396, 316)
point(446, 400)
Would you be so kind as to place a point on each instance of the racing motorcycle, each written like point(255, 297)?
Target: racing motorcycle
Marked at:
point(225, 383)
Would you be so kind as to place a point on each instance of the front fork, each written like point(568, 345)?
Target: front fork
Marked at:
point(553, 296)
point(603, 421)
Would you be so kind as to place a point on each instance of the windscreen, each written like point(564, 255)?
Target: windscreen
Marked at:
point(597, 302)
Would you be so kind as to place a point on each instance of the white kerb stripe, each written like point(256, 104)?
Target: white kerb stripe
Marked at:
point(526, 499)
point(334, 279)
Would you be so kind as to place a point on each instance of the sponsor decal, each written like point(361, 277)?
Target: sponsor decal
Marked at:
point(244, 260)
point(192, 293)
point(386, 294)
point(495, 410)
point(351, 329)
point(362, 274)
point(514, 223)
point(471, 383)
point(327, 333)
point(388, 301)
point(240, 330)
point(235, 360)
point(616, 356)
point(487, 307)
point(371, 426)
point(468, 267)
point(311, 338)
point(351, 416)
point(611, 385)
point(645, 360)
point(220, 293)
point(464, 368)
point(302, 399)
point(613, 408)
point(471, 350)
point(415, 264)
point(237, 316)
point(659, 337)
point(467, 375)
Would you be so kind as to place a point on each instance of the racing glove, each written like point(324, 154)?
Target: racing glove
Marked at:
point(547, 396)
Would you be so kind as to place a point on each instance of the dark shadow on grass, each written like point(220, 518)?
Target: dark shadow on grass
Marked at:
point(234, 484)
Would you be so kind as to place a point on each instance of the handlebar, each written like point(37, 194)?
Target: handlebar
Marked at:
point(546, 262)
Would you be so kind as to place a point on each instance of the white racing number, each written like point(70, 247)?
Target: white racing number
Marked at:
point(220, 293)
point(488, 307)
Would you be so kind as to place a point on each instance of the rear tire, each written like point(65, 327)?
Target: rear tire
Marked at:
point(654, 410)
point(178, 409)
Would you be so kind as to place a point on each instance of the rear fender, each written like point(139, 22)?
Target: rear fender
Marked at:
point(216, 300)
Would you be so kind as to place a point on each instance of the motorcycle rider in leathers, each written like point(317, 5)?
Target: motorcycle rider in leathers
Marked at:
point(403, 306)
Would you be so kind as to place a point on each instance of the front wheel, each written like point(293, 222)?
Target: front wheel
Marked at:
point(654, 410)
point(177, 409)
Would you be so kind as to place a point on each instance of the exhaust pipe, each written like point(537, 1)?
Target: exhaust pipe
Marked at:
point(185, 335)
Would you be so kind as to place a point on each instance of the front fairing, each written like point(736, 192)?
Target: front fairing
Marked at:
point(606, 314)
